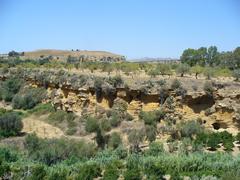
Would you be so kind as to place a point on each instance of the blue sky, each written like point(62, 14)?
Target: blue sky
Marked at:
point(135, 28)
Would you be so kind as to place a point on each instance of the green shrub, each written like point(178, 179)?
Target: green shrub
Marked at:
point(52, 151)
point(98, 87)
point(135, 137)
point(116, 81)
point(89, 171)
point(183, 69)
point(208, 88)
point(155, 149)
point(57, 116)
point(30, 98)
point(132, 174)
point(71, 131)
point(176, 84)
point(151, 132)
point(111, 172)
point(115, 120)
point(37, 172)
point(191, 128)
point(10, 87)
point(8, 155)
point(115, 140)
point(91, 124)
point(236, 74)
point(209, 72)
point(238, 137)
point(42, 109)
point(10, 124)
point(105, 125)
point(4, 168)
point(153, 170)
point(57, 173)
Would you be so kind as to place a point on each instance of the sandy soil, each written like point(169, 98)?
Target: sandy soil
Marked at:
point(42, 129)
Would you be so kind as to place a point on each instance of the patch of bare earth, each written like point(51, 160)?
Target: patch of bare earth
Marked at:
point(34, 124)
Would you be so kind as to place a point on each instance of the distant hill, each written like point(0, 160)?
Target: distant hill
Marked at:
point(84, 55)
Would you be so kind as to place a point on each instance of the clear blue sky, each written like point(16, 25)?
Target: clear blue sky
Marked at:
point(135, 28)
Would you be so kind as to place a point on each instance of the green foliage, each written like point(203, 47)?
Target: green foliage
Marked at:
point(59, 116)
point(209, 72)
point(208, 88)
point(91, 124)
point(153, 170)
point(41, 109)
point(89, 171)
point(10, 124)
point(132, 174)
point(190, 128)
point(115, 140)
point(116, 81)
point(213, 140)
point(53, 151)
point(111, 172)
point(238, 137)
point(197, 70)
point(105, 124)
point(135, 137)
point(236, 74)
point(176, 84)
point(151, 132)
point(155, 149)
point(8, 155)
point(98, 87)
point(29, 98)
point(115, 120)
point(153, 72)
point(10, 87)
point(164, 69)
point(183, 69)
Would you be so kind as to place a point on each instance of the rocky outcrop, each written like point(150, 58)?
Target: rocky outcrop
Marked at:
point(79, 94)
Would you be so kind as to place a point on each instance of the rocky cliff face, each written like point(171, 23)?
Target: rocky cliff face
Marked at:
point(82, 94)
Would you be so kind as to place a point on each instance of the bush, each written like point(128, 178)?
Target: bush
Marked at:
point(111, 172)
point(115, 140)
point(105, 124)
point(57, 116)
point(91, 124)
point(155, 149)
point(42, 109)
point(238, 137)
point(8, 155)
point(236, 74)
point(176, 84)
point(191, 128)
point(183, 69)
point(30, 98)
point(10, 124)
point(151, 117)
point(135, 137)
point(116, 81)
point(151, 132)
point(52, 151)
point(10, 87)
point(208, 88)
point(98, 87)
point(209, 72)
point(153, 170)
point(163, 94)
point(115, 120)
point(89, 171)
point(132, 174)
